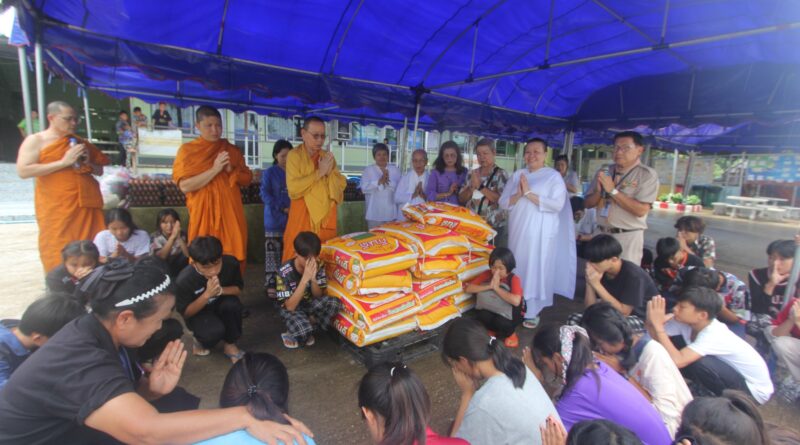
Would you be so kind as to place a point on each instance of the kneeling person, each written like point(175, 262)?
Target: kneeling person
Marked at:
point(208, 297)
point(301, 285)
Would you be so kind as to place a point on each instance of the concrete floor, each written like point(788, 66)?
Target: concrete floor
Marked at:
point(324, 377)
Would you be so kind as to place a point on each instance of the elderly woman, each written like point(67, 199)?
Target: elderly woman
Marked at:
point(447, 176)
point(569, 175)
point(276, 211)
point(378, 183)
point(541, 231)
point(483, 188)
point(411, 189)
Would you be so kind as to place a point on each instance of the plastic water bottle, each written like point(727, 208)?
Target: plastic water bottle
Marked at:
point(73, 142)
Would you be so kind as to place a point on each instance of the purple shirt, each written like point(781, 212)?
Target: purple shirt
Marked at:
point(617, 401)
point(441, 182)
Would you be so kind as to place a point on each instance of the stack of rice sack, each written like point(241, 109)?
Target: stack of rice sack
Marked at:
point(435, 275)
point(466, 223)
point(369, 273)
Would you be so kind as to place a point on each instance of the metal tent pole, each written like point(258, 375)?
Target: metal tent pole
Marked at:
point(26, 90)
point(579, 168)
point(37, 53)
point(674, 170)
point(416, 125)
point(687, 180)
point(86, 114)
point(790, 286)
point(403, 142)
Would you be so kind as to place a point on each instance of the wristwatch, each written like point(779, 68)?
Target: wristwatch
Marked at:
point(614, 192)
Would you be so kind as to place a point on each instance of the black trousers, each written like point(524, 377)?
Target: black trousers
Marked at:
point(502, 326)
point(219, 320)
point(170, 330)
point(712, 373)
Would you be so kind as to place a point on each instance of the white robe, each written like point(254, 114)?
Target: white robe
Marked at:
point(542, 238)
point(405, 190)
point(380, 198)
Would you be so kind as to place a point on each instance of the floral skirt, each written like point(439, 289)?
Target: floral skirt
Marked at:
point(273, 249)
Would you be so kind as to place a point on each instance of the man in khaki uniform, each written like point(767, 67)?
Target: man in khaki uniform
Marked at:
point(623, 193)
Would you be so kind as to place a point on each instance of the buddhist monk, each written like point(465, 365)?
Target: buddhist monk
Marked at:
point(68, 202)
point(210, 170)
point(316, 187)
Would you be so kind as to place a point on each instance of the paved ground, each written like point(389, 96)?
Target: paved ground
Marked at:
point(324, 377)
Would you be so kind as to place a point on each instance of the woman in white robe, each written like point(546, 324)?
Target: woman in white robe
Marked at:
point(378, 183)
point(541, 231)
point(411, 189)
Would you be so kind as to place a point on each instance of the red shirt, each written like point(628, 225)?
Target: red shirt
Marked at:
point(432, 438)
point(783, 315)
point(486, 277)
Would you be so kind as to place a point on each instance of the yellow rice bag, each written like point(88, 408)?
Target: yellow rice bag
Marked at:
point(399, 281)
point(480, 249)
point(362, 337)
point(432, 291)
point(375, 315)
point(475, 265)
point(464, 302)
point(453, 217)
point(426, 239)
point(437, 315)
point(367, 255)
point(437, 267)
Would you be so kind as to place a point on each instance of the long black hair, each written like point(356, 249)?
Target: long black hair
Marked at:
point(122, 215)
point(731, 419)
point(80, 248)
point(280, 145)
point(603, 322)
point(601, 432)
point(394, 392)
point(163, 213)
point(261, 383)
point(439, 165)
point(467, 338)
point(547, 343)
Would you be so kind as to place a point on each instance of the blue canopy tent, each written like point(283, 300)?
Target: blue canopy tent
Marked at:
point(503, 67)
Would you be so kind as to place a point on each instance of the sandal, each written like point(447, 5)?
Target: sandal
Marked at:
point(288, 341)
point(531, 323)
point(512, 341)
point(198, 349)
point(235, 357)
point(310, 341)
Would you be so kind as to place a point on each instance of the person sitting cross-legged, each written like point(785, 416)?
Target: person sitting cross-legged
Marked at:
point(208, 293)
point(704, 349)
point(301, 285)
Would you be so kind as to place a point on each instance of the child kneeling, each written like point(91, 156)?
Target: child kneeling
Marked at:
point(300, 288)
point(500, 306)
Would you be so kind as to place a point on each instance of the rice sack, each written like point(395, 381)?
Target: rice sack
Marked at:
point(367, 255)
point(426, 240)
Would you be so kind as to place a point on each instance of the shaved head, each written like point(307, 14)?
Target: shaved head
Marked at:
point(57, 107)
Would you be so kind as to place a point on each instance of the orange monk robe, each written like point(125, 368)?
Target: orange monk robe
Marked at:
point(68, 202)
point(216, 209)
point(314, 200)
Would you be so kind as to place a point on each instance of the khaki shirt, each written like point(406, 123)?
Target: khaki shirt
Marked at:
point(640, 184)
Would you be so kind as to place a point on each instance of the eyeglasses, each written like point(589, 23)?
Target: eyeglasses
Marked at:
point(316, 136)
point(624, 148)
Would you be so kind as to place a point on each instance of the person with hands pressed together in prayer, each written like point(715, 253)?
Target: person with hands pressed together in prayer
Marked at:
point(693, 241)
point(315, 185)
point(83, 386)
point(122, 238)
point(67, 199)
point(276, 212)
point(483, 189)
point(80, 259)
point(208, 293)
point(713, 357)
point(301, 286)
point(210, 170)
point(623, 193)
point(379, 182)
point(169, 242)
point(411, 189)
point(541, 231)
point(447, 176)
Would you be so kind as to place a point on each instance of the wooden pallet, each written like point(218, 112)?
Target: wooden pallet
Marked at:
point(403, 348)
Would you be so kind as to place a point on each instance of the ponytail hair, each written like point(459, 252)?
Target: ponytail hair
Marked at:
point(548, 342)
point(394, 392)
point(731, 419)
point(259, 382)
point(467, 338)
point(607, 324)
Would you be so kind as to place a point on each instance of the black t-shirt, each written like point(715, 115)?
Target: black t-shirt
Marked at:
point(632, 286)
point(665, 275)
point(190, 284)
point(761, 303)
point(161, 119)
point(59, 280)
point(52, 393)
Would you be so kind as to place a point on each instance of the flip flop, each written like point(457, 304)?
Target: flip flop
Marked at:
point(288, 341)
point(198, 349)
point(310, 341)
point(531, 323)
point(512, 341)
point(235, 357)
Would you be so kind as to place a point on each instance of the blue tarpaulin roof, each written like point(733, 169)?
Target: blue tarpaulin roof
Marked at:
point(510, 67)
